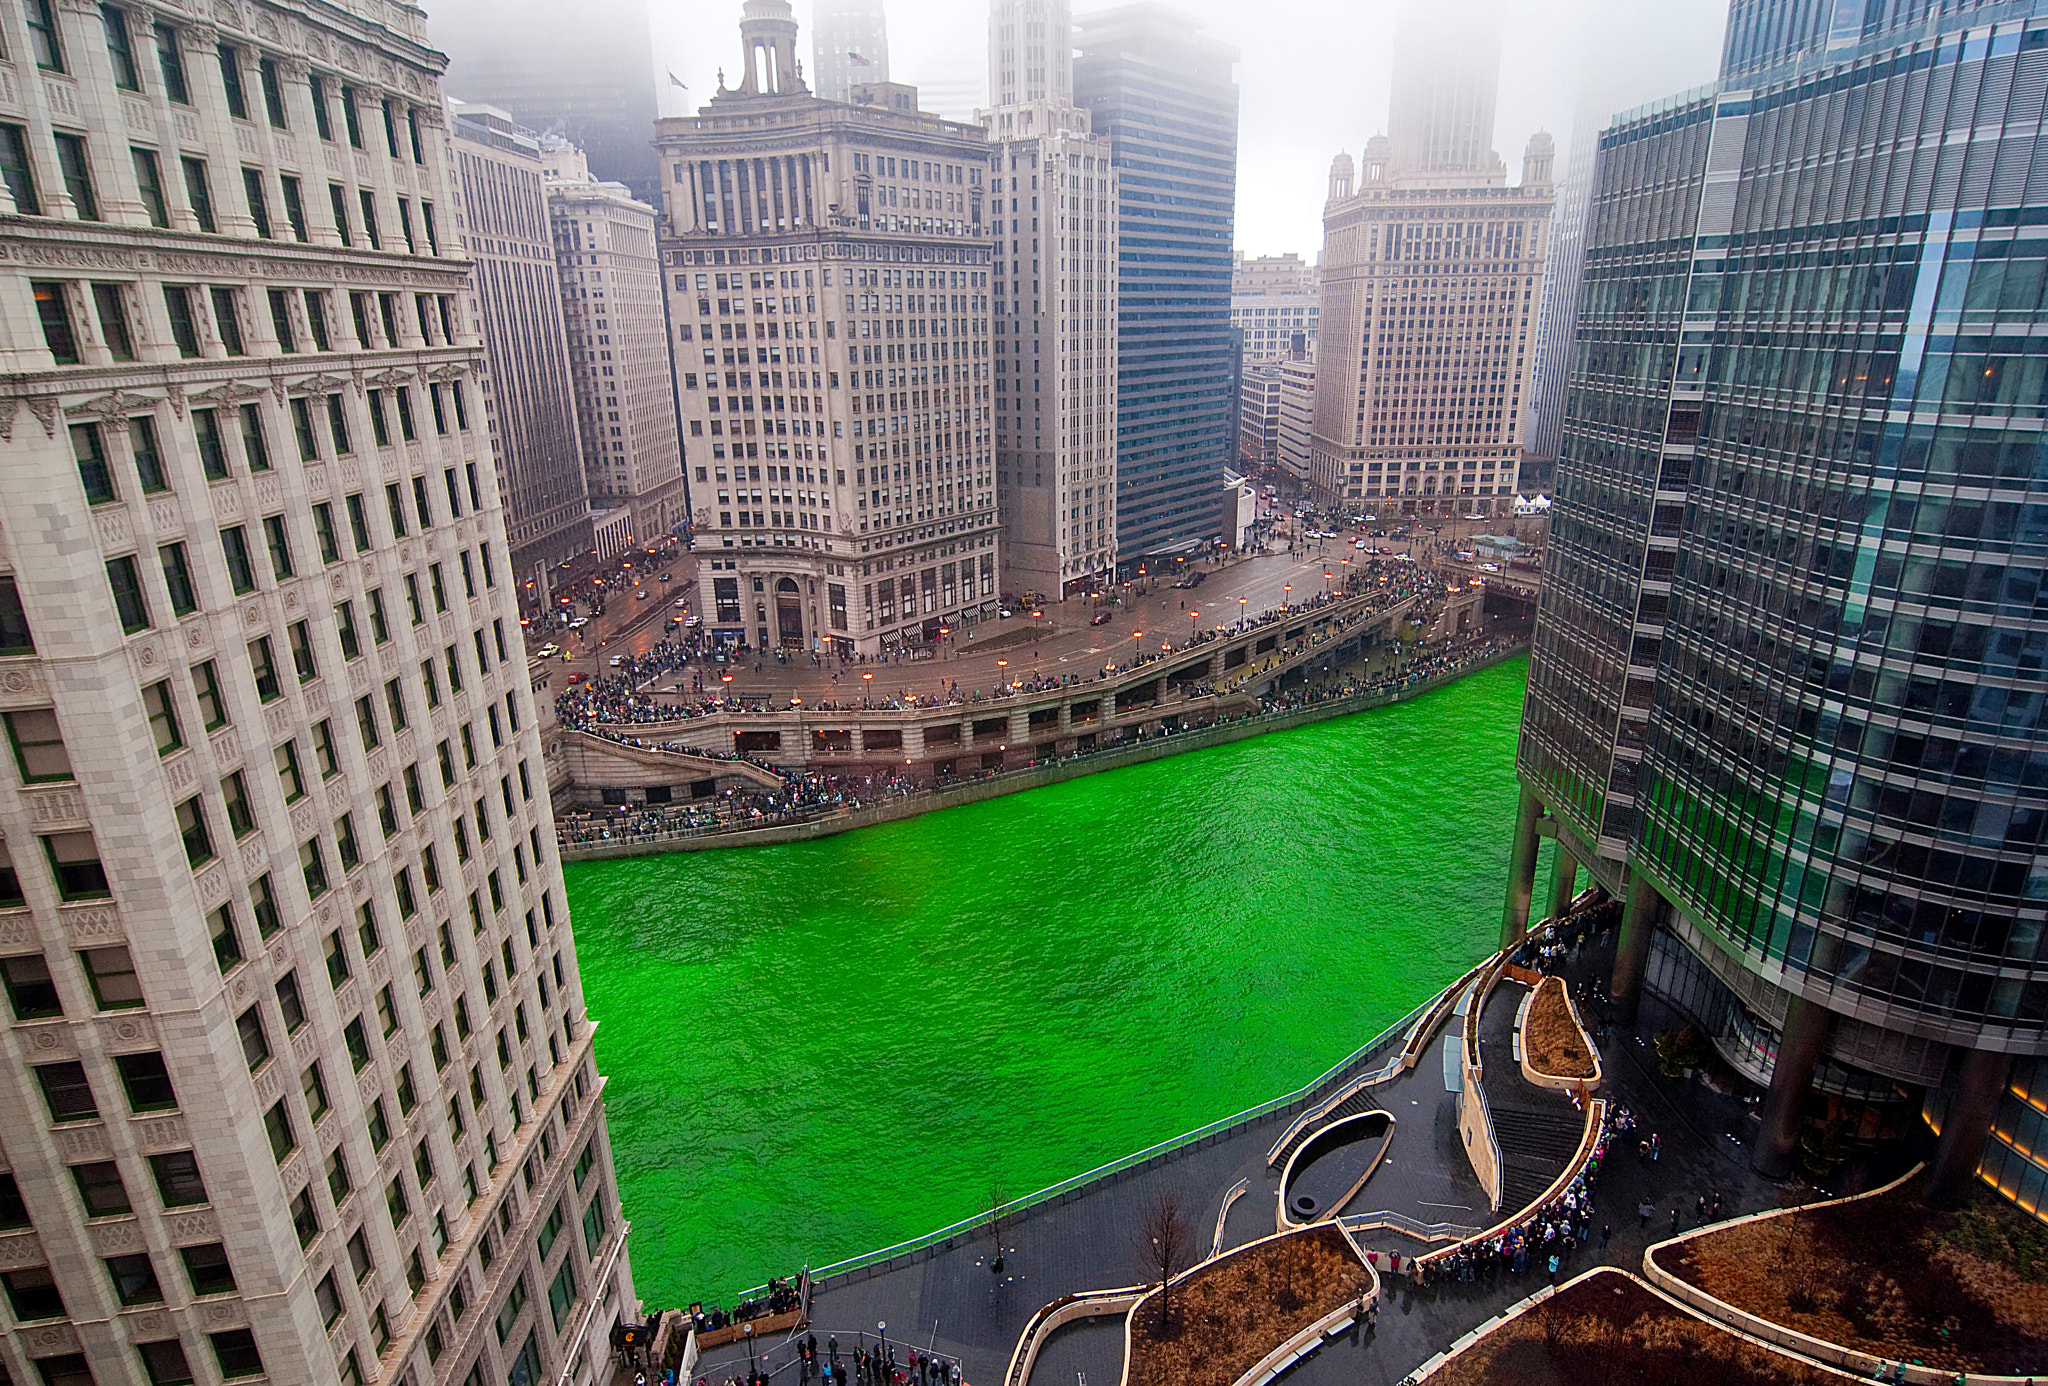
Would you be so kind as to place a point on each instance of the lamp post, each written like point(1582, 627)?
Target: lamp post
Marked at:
point(882, 1335)
point(1286, 594)
point(1240, 613)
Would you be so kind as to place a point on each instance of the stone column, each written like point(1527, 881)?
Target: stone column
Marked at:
point(1799, 1053)
point(1963, 1131)
point(1521, 871)
point(1564, 884)
point(1639, 919)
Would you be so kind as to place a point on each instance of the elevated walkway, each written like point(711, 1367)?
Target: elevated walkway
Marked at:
point(1537, 1129)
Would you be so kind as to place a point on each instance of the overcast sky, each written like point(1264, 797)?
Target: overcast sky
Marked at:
point(1313, 77)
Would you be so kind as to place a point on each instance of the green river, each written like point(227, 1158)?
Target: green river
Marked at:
point(820, 1049)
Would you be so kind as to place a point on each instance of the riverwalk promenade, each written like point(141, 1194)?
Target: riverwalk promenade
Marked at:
point(585, 839)
point(940, 1294)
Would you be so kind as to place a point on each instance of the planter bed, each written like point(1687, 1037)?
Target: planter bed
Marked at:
point(1551, 1037)
point(1607, 1328)
point(1232, 1312)
point(1889, 1276)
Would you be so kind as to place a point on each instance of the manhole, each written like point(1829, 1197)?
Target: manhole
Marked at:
point(1304, 1204)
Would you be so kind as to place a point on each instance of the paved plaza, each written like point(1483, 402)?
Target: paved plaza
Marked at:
point(949, 1302)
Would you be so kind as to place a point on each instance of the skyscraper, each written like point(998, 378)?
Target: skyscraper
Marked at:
point(1163, 95)
point(828, 277)
point(1787, 687)
point(1275, 306)
point(583, 74)
point(615, 308)
point(515, 301)
point(301, 1084)
point(849, 47)
point(1557, 300)
point(1055, 332)
point(1429, 275)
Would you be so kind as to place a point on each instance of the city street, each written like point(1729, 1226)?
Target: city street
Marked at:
point(1061, 641)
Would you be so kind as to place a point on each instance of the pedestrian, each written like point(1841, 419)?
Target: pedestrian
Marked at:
point(1674, 1219)
point(1643, 1212)
point(1553, 1267)
point(1606, 1235)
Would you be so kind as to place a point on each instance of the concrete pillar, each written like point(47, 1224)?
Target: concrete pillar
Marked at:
point(1799, 1053)
point(858, 747)
point(1521, 871)
point(1564, 883)
point(1954, 1169)
point(1632, 948)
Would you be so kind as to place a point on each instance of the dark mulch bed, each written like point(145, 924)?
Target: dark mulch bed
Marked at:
point(1609, 1330)
point(1231, 1313)
point(1892, 1277)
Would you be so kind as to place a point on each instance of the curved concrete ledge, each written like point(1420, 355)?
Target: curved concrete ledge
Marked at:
point(1094, 1304)
point(1536, 1076)
point(1285, 1220)
point(1465, 1342)
point(1777, 1335)
point(1279, 1354)
point(1230, 1199)
point(1596, 1122)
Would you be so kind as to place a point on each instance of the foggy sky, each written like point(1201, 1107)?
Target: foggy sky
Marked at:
point(1312, 77)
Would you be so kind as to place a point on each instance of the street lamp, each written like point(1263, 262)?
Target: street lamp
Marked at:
point(1286, 591)
point(1240, 613)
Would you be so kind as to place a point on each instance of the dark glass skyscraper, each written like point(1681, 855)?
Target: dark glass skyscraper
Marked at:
point(1163, 93)
point(1790, 659)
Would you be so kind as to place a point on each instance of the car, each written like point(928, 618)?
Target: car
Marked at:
point(617, 660)
point(550, 648)
point(682, 603)
point(577, 676)
point(1358, 543)
point(692, 622)
point(1100, 618)
point(665, 577)
point(1005, 613)
point(640, 595)
point(579, 623)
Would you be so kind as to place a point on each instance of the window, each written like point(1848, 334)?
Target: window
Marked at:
point(323, 749)
point(54, 311)
point(273, 94)
point(178, 1184)
point(508, 1312)
point(377, 1126)
point(407, 1099)
point(135, 1282)
point(111, 971)
point(112, 312)
point(380, 628)
point(351, 118)
point(129, 603)
point(149, 180)
point(15, 638)
point(255, 1043)
point(359, 1261)
point(396, 1205)
point(302, 430)
point(234, 1352)
point(17, 171)
point(328, 1298)
point(562, 1294)
point(263, 901)
point(76, 168)
point(323, 533)
point(32, 1294)
point(366, 724)
point(66, 1092)
point(316, 307)
point(305, 1217)
point(358, 523)
point(146, 1081)
point(387, 1011)
point(346, 846)
point(369, 205)
point(357, 1043)
point(259, 205)
point(337, 201)
point(313, 866)
point(337, 426)
point(227, 320)
point(339, 1184)
point(234, 543)
point(213, 708)
point(227, 940)
point(185, 333)
point(192, 830)
point(149, 462)
point(13, 1212)
point(208, 1270)
point(264, 668)
point(323, 120)
point(394, 700)
point(38, 745)
point(295, 208)
point(255, 445)
point(367, 936)
point(336, 954)
point(277, 1123)
point(30, 988)
point(163, 719)
point(231, 80)
point(178, 579)
point(314, 1089)
point(199, 193)
point(278, 540)
point(171, 64)
point(394, 503)
point(100, 1188)
point(75, 862)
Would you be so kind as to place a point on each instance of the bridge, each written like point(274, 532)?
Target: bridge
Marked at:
point(1216, 677)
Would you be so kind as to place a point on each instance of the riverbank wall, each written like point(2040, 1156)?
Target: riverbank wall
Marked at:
point(1016, 781)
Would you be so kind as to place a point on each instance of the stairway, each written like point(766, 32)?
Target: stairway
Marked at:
point(1535, 1146)
point(1364, 1100)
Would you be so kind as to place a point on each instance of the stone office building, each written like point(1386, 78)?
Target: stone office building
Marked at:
point(829, 285)
point(298, 1076)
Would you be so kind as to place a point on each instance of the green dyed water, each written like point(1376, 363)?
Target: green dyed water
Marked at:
point(820, 1049)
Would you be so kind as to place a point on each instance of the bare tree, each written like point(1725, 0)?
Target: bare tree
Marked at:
point(996, 1200)
point(1164, 1242)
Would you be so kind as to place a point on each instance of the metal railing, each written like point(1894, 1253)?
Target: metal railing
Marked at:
point(1409, 1227)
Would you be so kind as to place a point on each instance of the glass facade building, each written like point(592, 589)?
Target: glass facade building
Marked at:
point(1789, 662)
point(1164, 96)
